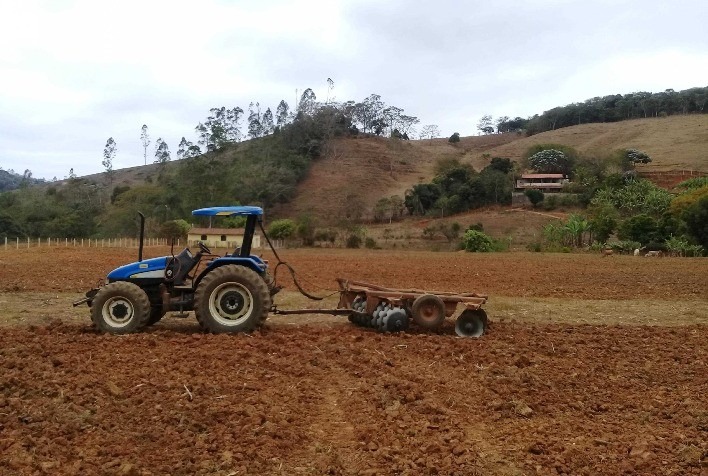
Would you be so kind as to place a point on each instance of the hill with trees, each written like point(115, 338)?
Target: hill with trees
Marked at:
point(344, 164)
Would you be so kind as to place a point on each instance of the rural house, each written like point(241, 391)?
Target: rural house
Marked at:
point(220, 237)
point(543, 182)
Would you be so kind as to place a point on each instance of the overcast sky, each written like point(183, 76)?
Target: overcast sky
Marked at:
point(73, 73)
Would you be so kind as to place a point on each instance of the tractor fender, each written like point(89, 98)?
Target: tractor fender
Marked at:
point(251, 262)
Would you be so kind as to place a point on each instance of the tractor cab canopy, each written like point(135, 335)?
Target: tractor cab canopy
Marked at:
point(253, 216)
point(228, 211)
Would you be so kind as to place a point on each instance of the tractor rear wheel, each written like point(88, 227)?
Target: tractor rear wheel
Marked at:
point(231, 298)
point(120, 308)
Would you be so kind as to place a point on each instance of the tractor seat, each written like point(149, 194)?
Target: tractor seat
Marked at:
point(186, 261)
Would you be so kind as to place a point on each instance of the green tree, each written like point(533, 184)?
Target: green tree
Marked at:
point(641, 228)
point(109, 153)
point(535, 196)
point(282, 229)
point(486, 125)
point(162, 152)
point(603, 222)
point(174, 229)
point(268, 125)
point(255, 121)
point(9, 227)
point(306, 229)
point(476, 241)
point(281, 114)
point(696, 219)
point(502, 164)
point(454, 138)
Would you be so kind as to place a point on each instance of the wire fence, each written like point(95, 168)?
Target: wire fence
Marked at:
point(27, 242)
point(9, 243)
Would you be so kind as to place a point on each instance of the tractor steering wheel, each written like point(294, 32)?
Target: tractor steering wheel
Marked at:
point(204, 248)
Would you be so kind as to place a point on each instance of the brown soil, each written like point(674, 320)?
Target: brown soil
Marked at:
point(527, 398)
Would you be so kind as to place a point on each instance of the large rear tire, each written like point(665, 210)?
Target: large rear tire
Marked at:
point(231, 298)
point(120, 308)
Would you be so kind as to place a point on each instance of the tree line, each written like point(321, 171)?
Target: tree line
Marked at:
point(220, 168)
point(611, 108)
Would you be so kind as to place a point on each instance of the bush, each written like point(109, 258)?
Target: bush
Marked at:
point(353, 241)
point(281, 229)
point(370, 243)
point(174, 229)
point(534, 196)
point(535, 247)
point(454, 138)
point(476, 241)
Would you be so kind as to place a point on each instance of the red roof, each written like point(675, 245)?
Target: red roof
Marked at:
point(532, 176)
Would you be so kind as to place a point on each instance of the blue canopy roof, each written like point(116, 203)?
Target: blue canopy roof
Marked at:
point(228, 211)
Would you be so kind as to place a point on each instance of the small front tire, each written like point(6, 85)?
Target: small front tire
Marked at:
point(120, 308)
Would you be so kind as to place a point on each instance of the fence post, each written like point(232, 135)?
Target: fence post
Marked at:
point(18, 242)
point(6, 242)
point(28, 242)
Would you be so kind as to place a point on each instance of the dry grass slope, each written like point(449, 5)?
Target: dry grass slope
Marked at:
point(358, 172)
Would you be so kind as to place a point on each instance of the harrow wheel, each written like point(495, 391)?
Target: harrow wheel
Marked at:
point(428, 311)
point(120, 308)
point(396, 321)
point(471, 323)
point(231, 298)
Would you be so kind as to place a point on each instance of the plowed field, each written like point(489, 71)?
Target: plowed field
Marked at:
point(591, 366)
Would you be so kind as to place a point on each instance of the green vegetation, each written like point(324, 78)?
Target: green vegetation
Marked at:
point(263, 171)
point(458, 187)
point(534, 196)
point(477, 242)
point(618, 107)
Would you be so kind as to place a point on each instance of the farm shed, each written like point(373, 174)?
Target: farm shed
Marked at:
point(220, 237)
point(543, 182)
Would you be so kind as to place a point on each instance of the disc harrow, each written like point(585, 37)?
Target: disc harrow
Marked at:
point(393, 310)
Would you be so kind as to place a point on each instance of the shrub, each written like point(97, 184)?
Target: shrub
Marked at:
point(535, 247)
point(454, 138)
point(534, 196)
point(370, 243)
point(281, 229)
point(353, 241)
point(476, 241)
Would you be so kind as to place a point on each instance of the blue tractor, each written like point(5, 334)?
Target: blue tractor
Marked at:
point(231, 293)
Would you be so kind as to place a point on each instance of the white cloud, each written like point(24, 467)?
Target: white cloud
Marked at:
point(77, 72)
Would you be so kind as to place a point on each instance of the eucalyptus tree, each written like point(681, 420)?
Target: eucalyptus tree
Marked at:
point(145, 139)
point(109, 153)
point(162, 152)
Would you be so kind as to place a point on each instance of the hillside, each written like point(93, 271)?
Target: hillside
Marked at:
point(356, 172)
point(676, 142)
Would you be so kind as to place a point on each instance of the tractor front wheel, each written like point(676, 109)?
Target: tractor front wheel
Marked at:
point(120, 308)
point(231, 298)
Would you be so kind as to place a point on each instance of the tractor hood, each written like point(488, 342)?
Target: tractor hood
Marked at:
point(145, 269)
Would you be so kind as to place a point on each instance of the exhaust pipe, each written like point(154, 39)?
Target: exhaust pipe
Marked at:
point(142, 235)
